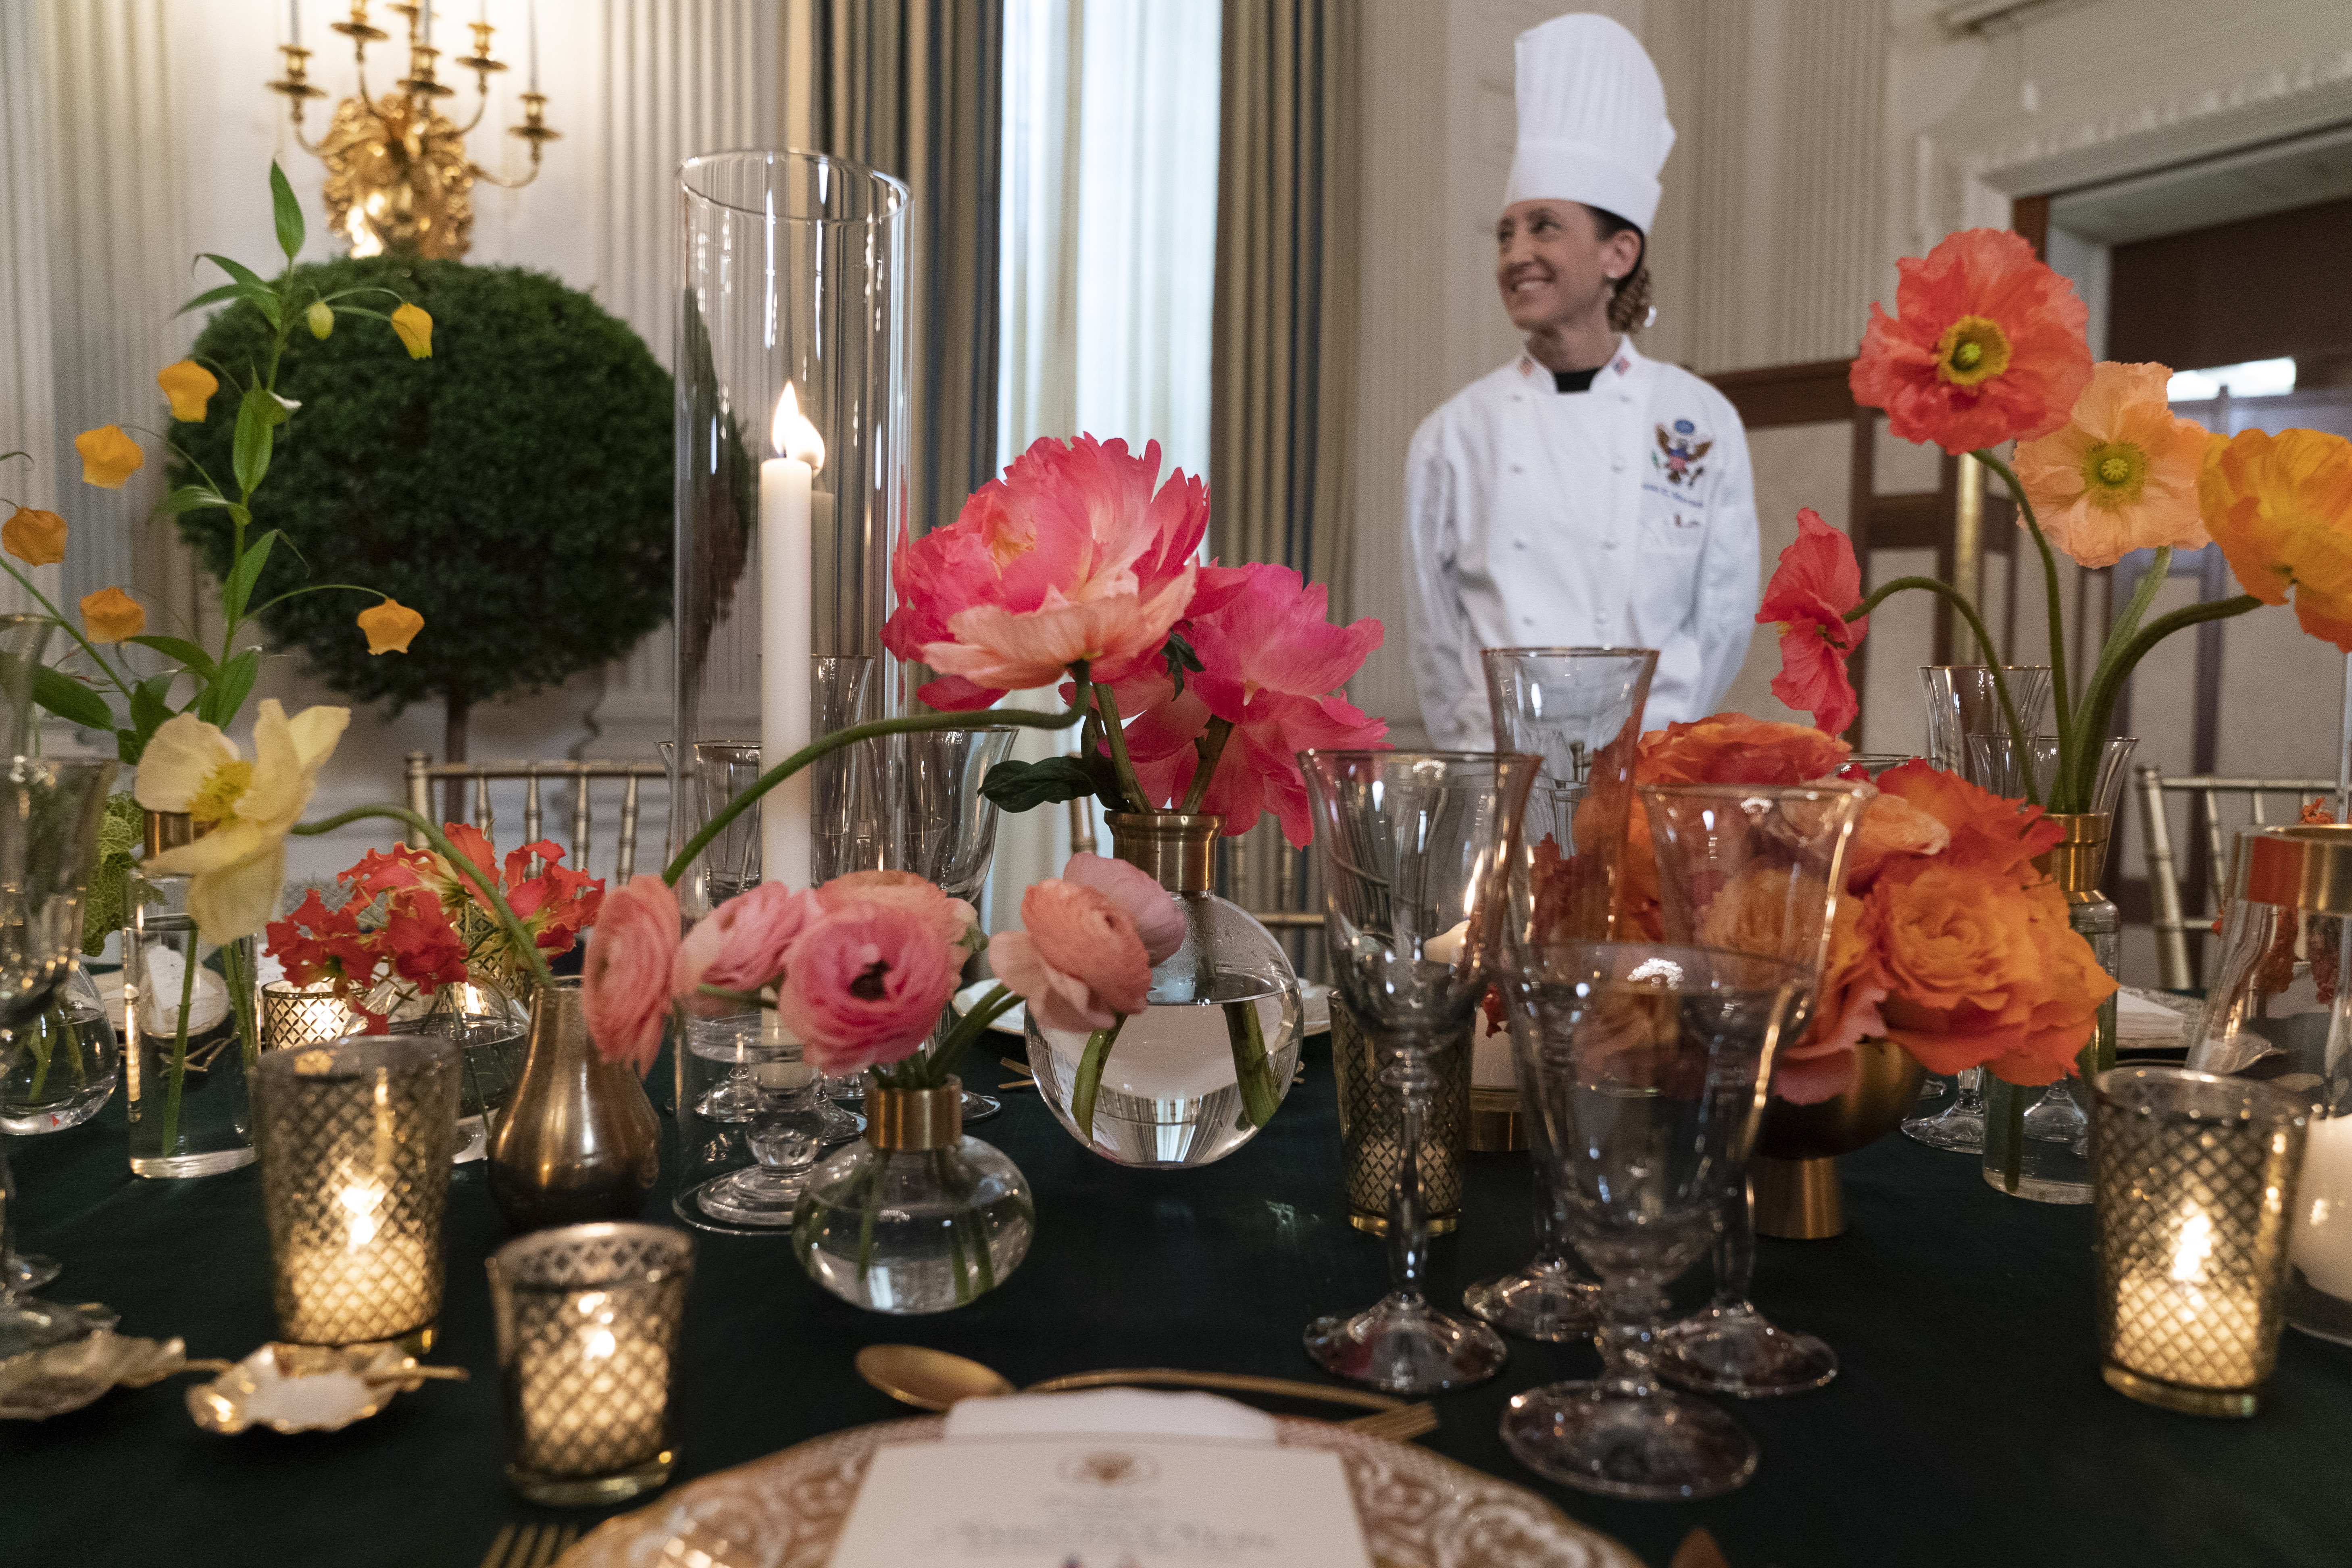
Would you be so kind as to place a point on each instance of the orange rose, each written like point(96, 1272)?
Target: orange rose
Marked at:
point(2280, 509)
point(1990, 833)
point(35, 537)
point(1845, 1013)
point(2121, 475)
point(1767, 910)
point(1981, 972)
point(1890, 826)
point(1732, 747)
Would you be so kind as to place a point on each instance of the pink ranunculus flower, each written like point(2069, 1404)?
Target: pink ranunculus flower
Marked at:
point(1158, 920)
point(956, 920)
point(865, 985)
point(740, 945)
point(1078, 962)
point(1071, 554)
point(1272, 665)
point(626, 975)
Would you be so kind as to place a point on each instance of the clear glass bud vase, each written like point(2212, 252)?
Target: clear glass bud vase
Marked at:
point(191, 1033)
point(1192, 1076)
point(915, 1216)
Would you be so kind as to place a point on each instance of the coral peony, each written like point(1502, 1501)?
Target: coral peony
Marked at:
point(1070, 555)
point(627, 976)
point(1987, 345)
point(740, 945)
point(2280, 509)
point(1816, 583)
point(2121, 475)
point(1078, 961)
point(865, 985)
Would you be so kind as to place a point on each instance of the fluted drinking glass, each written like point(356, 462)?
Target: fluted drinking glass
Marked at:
point(1415, 851)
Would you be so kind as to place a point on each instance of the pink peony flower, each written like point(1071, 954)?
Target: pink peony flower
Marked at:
point(1069, 555)
point(740, 945)
point(1078, 963)
point(1158, 920)
point(626, 975)
point(956, 922)
point(866, 984)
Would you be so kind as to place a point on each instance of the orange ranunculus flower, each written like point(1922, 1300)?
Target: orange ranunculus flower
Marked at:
point(416, 330)
point(1732, 747)
point(1987, 345)
point(1982, 972)
point(190, 387)
point(1845, 1013)
point(107, 456)
point(2280, 509)
point(390, 626)
point(35, 537)
point(1990, 833)
point(2121, 475)
point(111, 616)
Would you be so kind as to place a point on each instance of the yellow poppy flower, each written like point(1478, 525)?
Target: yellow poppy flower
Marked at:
point(416, 330)
point(35, 537)
point(190, 387)
point(2280, 509)
point(111, 616)
point(235, 869)
point(107, 456)
point(390, 627)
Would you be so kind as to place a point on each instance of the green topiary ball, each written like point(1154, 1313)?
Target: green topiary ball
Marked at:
point(514, 489)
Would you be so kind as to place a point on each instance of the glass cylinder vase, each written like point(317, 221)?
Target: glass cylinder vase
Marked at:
point(192, 1030)
point(1192, 1076)
point(790, 463)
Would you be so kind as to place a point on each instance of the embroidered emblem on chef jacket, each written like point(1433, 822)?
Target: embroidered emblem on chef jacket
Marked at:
point(1679, 452)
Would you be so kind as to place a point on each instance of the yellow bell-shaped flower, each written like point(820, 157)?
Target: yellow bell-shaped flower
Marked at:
point(416, 330)
point(35, 537)
point(390, 627)
point(107, 456)
point(111, 616)
point(190, 387)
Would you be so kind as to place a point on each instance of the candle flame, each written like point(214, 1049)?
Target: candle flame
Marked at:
point(361, 1202)
point(2195, 1246)
point(793, 435)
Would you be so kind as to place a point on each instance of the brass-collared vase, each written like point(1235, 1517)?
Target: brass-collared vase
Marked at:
point(579, 1140)
point(1793, 1175)
point(915, 1216)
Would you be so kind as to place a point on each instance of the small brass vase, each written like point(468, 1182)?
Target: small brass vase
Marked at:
point(579, 1140)
point(1794, 1174)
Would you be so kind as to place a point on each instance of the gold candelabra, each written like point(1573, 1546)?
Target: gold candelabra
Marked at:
point(398, 175)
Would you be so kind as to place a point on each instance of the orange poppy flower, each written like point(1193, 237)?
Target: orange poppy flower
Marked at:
point(2121, 475)
point(1816, 583)
point(2280, 509)
point(111, 616)
point(1987, 345)
point(390, 627)
point(107, 456)
point(35, 537)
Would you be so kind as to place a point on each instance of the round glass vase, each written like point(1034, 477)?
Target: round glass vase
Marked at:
point(191, 1029)
point(1192, 1076)
point(915, 1216)
point(59, 1070)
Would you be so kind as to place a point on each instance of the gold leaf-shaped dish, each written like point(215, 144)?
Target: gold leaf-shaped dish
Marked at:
point(302, 1388)
point(41, 1383)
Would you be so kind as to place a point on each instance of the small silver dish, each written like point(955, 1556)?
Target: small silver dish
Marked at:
point(45, 1382)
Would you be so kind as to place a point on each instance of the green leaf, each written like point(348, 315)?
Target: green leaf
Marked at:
point(193, 658)
point(71, 700)
point(239, 271)
point(1024, 787)
point(148, 702)
point(191, 498)
point(229, 689)
point(129, 745)
point(258, 414)
point(287, 211)
point(263, 301)
point(239, 591)
point(1181, 657)
point(209, 296)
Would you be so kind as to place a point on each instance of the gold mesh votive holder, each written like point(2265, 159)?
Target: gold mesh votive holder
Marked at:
point(295, 1015)
point(2193, 1177)
point(588, 1319)
point(1371, 1127)
point(355, 1138)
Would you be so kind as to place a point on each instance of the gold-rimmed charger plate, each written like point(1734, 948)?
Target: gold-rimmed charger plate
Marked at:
point(1419, 1510)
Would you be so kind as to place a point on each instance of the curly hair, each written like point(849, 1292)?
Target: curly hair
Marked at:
point(1629, 305)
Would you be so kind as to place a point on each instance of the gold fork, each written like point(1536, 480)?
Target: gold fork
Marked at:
point(1398, 1426)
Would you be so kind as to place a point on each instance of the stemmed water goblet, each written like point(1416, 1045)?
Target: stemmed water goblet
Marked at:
point(1580, 711)
point(1749, 869)
point(1415, 850)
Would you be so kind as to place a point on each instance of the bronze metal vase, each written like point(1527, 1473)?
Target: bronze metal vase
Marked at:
point(1794, 1174)
point(579, 1140)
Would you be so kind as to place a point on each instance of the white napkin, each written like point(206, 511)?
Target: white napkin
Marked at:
point(1132, 1411)
point(2146, 1020)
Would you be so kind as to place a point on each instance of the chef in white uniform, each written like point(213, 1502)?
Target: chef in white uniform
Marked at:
point(1582, 495)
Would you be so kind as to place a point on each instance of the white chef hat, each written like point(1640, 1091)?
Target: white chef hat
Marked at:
point(1592, 118)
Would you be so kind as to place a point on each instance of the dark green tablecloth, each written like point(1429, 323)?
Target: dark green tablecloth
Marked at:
point(1968, 1426)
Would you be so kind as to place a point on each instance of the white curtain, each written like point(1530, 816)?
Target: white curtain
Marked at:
point(1108, 271)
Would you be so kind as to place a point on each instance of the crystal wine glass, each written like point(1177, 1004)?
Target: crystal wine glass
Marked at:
point(1579, 710)
point(1649, 1065)
point(1414, 848)
point(1749, 869)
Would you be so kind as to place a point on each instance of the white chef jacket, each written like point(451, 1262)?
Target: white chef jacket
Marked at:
point(1625, 515)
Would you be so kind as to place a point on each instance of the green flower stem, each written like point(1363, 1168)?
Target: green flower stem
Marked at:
point(178, 1075)
point(1211, 748)
point(2062, 696)
point(1253, 1071)
point(1958, 602)
point(2115, 667)
point(930, 1070)
point(1116, 733)
point(240, 997)
point(534, 965)
point(41, 1059)
point(829, 744)
point(1089, 1082)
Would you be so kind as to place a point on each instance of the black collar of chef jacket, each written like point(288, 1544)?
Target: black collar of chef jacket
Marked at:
point(1575, 380)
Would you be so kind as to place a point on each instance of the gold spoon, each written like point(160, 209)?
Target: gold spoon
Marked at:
point(933, 1380)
